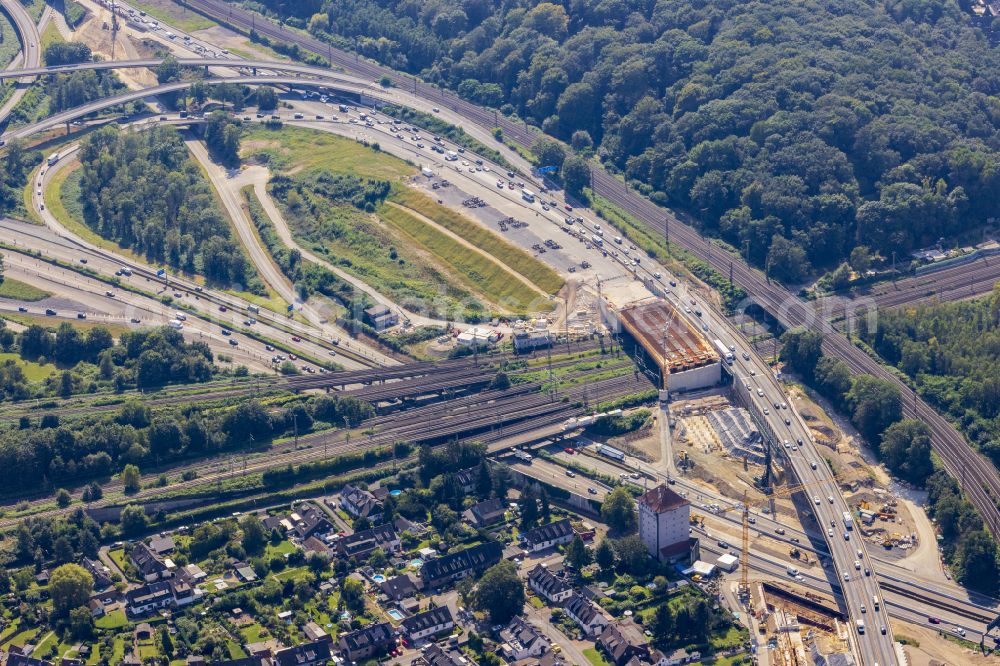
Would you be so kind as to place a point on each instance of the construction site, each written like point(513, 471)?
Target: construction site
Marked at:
point(681, 356)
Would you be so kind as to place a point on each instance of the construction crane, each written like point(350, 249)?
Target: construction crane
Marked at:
point(779, 493)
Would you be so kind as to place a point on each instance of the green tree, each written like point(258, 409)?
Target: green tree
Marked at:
point(500, 592)
point(577, 555)
point(631, 554)
point(875, 404)
point(787, 260)
point(663, 624)
point(802, 350)
point(254, 534)
point(131, 479)
point(70, 586)
point(604, 555)
point(81, 623)
point(575, 175)
point(861, 260)
point(548, 153)
point(977, 561)
point(133, 519)
point(618, 511)
point(63, 498)
point(529, 507)
point(906, 450)
point(267, 98)
point(166, 643)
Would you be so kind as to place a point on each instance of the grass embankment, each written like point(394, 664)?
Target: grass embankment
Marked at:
point(479, 272)
point(21, 291)
point(509, 255)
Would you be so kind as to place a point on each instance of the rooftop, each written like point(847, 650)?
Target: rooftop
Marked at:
point(661, 498)
point(667, 336)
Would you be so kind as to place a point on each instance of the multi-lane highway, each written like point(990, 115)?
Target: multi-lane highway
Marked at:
point(31, 50)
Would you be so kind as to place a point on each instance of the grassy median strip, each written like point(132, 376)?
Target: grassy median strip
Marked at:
point(507, 254)
point(21, 291)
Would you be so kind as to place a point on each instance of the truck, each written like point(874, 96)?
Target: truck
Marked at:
point(597, 240)
point(528, 195)
point(253, 308)
point(451, 156)
point(848, 520)
point(174, 323)
point(861, 626)
point(53, 158)
point(723, 351)
point(523, 456)
point(427, 172)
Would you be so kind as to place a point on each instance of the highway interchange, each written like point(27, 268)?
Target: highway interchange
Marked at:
point(859, 591)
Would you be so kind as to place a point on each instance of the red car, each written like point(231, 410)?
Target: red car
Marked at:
point(934, 620)
point(569, 450)
point(293, 357)
point(296, 338)
point(568, 207)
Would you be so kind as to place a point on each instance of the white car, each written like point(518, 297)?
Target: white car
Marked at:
point(816, 500)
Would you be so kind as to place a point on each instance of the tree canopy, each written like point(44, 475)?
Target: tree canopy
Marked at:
point(795, 129)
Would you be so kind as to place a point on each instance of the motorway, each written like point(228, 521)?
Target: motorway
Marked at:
point(31, 51)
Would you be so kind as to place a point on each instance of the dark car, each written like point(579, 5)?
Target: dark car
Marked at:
point(50, 312)
point(233, 342)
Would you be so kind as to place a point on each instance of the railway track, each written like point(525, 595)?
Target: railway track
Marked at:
point(946, 285)
point(483, 417)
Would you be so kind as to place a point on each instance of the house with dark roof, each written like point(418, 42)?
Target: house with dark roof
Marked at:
point(362, 544)
point(586, 614)
point(150, 565)
point(245, 661)
point(15, 659)
point(485, 513)
point(360, 503)
point(623, 642)
point(147, 598)
point(429, 623)
point(162, 545)
point(547, 536)
point(313, 653)
point(307, 520)
point(399, 587)
point(546, 584)
point(366, 642)
point(100, 572)
point(456, 566)
point(521, 640)
point(433, 655)
point(467, 478)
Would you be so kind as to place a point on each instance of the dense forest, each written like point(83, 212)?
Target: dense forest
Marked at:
point(829, 123)
point(16, 164)
point(952, 350)
point(142, 190)
point(904, 445)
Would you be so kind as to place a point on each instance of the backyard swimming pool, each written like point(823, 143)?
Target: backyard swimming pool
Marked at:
point(395, 615)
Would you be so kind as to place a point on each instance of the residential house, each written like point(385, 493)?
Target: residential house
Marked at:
point(245, 572)
point(148, 598)
point(456, 566)
point(622, 642)
point(433, 655)
point(315, 545)
point(429, 623)
point(100, 572)
point(467, 479)
point(521, 640)
point(398, 588)
point(313, 653)
point(162, 546)
point(360, 503)
point(366, 642)
point(194, 573)
point(314, 632)
point(586, 614)
point(546, 584)
point(150, 565)
point(14, 659)
point(485, 513)
point(97, 608)
point(548, 536)
point(245, 661)
point(362, 544)
point(308, 520)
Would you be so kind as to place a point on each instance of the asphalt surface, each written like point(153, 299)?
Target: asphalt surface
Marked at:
point(31, 51)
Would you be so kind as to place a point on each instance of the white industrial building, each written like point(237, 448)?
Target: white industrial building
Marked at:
point(664, 524)
point(478, 336)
